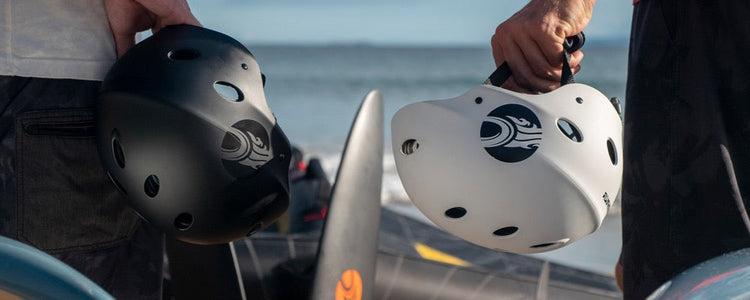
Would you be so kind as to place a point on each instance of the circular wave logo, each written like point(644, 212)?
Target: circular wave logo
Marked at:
point(511, 133)
point(245, 148)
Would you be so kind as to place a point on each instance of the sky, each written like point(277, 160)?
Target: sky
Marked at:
point(385, 22)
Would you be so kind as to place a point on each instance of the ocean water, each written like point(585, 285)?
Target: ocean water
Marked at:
point(315, 91)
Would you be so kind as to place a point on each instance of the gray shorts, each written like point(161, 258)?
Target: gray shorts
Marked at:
point(55, 196)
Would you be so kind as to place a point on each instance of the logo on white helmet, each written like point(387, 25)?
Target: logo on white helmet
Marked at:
point(511, 133)
point(246, 147)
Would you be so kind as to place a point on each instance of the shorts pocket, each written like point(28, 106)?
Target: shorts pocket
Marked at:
point(65, 200)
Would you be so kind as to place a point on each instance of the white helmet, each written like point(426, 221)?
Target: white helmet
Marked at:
point(510, 171)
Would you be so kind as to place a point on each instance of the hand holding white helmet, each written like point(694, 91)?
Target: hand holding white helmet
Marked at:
point(510, 171)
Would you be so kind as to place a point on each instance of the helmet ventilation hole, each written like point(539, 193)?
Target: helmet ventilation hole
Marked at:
point(256, 227)
point(455, 213)
point(569, 130)
point(151, 186)
point(505, 231)
point(183, 54)
point(117, 149)
point(228, 91)
point(545, 245)
point(409, 147)
point(579, 100)
point(612, 151)
point(183, 221)
point(551, 244)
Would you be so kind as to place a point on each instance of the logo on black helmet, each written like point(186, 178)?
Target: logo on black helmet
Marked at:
point(245, 148)
point(511, 133)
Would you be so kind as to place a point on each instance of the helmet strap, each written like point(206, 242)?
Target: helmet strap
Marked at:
point(571, 44)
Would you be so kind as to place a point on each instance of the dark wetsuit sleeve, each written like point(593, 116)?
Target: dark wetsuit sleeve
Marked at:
point(687, 138)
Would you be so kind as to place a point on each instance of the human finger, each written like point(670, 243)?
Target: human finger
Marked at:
point(551, 46)
point(575, 58)
point(512, 85)
point(522, 71)
point(576, 69)
point(497, 50)
point(537, 62)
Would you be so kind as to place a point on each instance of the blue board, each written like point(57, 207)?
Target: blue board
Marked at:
point(723, 277)
point(28, 273)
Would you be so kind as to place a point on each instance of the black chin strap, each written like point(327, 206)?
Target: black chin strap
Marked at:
point(501, 74)
point(567, 73)
point(571, 44)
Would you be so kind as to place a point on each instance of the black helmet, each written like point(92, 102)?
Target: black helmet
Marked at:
point(185, 133)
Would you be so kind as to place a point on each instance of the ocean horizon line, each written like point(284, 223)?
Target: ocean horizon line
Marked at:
point(591, 42)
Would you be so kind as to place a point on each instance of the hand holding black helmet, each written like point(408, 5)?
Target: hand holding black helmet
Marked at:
point(184, 131)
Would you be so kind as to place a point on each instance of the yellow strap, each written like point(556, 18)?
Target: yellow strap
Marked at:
point(435, 255)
